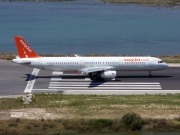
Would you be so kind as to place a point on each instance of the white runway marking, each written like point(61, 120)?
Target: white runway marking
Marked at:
point(31, 81)
point(59, 83)
point(57, 73)
point(71, 80)
point(112, 83)
point(91, 85)
point(87, 79)
point(70, 84)
point(56, 78)
point(107, 88)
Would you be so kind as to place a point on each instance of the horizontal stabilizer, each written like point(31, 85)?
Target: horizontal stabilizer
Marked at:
point(20, 61)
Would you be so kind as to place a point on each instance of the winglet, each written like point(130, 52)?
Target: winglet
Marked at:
point(24, 50)
point(75, 55)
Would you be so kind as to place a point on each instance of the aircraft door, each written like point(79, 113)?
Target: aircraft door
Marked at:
point(151, 63)
point(82, 63)
point(40, 63)
point(120, 63)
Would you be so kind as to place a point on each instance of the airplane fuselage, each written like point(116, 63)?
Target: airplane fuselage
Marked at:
point(78, 63)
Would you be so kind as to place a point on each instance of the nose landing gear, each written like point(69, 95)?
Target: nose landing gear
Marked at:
point(150, 75)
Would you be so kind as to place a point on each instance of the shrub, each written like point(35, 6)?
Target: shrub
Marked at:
point(102, 123)
point(178, 119)
point(160, 124)
point(17, 120)
point(132, 120)
point(13, 125)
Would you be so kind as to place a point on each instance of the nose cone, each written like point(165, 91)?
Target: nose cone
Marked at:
point(165, 66)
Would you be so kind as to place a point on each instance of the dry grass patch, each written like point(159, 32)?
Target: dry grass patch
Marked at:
point(56, 114)
point(53, 106)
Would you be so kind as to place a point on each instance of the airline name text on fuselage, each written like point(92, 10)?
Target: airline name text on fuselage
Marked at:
point(135, 60)
point(132, 60)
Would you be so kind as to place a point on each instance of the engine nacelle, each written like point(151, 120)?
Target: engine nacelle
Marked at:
point(108, 74)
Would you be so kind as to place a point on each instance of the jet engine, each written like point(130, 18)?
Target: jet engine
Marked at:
point(108, 74)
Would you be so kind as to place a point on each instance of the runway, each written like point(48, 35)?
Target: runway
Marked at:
point(17, 80)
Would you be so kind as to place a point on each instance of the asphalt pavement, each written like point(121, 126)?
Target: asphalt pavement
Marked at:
point(18, 80)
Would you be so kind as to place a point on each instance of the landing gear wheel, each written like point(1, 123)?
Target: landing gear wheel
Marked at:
point(150, 75)
point(92, 78)
point(100, 79)
point(95, 78)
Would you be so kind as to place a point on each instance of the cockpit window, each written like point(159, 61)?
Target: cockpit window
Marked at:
point(161, 61)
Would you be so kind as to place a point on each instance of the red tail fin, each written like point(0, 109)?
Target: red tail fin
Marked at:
point(24, 50)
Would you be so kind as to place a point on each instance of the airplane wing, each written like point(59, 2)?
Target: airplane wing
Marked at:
point(95, 69)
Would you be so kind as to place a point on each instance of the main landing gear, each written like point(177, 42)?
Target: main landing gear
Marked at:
point(150, 75)
point(96, 77)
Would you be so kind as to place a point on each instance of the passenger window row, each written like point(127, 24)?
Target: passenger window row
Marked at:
point(62, 63)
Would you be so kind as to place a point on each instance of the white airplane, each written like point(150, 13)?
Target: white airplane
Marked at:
point(98, 68)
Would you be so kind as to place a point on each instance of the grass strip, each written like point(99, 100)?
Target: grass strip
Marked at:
point(61, 114)
point(167, 3)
